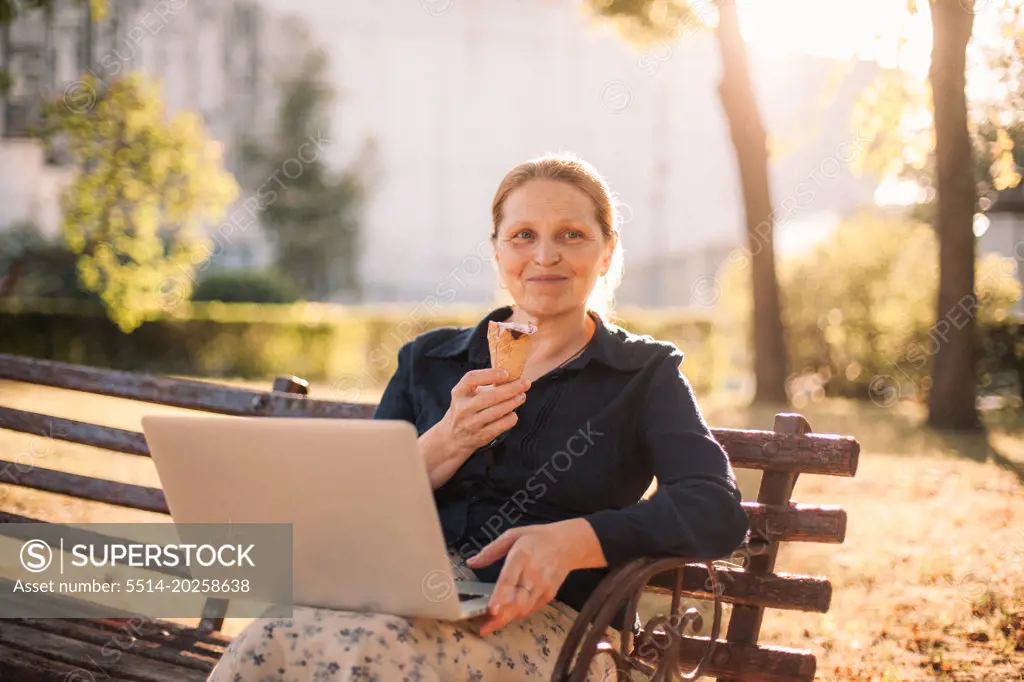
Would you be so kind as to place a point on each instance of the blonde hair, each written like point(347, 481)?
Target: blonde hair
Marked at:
point(567, 167)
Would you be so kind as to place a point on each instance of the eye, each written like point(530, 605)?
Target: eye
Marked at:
point(575, 234)
point(522, 234)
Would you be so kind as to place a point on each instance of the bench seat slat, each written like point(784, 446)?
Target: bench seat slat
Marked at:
point(22, 666)
point(187, 393)
point(150, 639)
point(755, 663)
point(91, 658)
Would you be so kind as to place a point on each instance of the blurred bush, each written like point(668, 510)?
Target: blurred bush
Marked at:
point(246, 286)
point(34, 265)
point(353, 348)
point(860, 309)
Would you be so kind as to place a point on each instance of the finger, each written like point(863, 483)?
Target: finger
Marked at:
point(475, 378)
point(539, 580)
point(495, 549)
point(489, 415)
point(505, 589)
point(497, 428)
point(490, 395)
point(494, 623)
point(525, 599)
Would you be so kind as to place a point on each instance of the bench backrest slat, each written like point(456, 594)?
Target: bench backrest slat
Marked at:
point(749, 449)
point(81, 487)
point(71, 431)
point(187, 393)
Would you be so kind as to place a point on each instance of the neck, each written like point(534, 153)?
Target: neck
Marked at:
point(557, 335)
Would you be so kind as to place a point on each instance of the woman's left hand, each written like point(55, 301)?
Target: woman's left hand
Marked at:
point(539, 559)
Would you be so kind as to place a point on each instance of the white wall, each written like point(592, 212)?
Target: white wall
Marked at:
point(28, 187)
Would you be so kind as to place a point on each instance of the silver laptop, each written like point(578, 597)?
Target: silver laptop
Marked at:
point(365, 529)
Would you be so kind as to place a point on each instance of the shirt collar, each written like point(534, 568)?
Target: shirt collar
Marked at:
point(611, 345)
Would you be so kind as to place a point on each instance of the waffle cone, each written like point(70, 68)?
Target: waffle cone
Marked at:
point(506, 352)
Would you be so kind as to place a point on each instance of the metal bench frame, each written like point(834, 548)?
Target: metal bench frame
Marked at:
point(44, 649)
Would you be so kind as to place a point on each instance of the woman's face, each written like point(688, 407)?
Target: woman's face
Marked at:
point(550, 250)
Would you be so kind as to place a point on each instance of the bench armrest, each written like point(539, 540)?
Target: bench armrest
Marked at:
point(658, 648)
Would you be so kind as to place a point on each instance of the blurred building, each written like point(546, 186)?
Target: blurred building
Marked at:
point(1004, 231)
point(455, 93)
point(458, 92)
point(208, 54)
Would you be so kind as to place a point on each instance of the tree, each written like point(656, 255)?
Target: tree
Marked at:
point(959, 151)
point(951, 400)
point(645, 21)
point(310, 214)
point(145, 189)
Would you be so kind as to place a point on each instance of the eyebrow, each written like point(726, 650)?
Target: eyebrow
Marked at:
point(565, 221)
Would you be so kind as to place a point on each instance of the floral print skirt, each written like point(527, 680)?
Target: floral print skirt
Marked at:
point(321, 645)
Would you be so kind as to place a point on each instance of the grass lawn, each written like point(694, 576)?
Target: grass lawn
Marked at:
point(929, 584)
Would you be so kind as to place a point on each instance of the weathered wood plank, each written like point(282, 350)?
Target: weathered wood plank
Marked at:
point(828, 454)
point(777, 523)
point(163, 631)
point(114, 661)
point(149, 639)
point(188, 393)
point(795, 522)
point(23, 666)
point(750, 663)
point(72, 431)
point(84, 487)
point(786, 591)
point(776, 489)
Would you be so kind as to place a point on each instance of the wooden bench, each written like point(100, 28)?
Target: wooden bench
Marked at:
point(159, 651)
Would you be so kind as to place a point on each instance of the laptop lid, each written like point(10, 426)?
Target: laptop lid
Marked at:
point(365, 529)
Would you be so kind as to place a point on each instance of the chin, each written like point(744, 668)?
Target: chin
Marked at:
point(536, 306)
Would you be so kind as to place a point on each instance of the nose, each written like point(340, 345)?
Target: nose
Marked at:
point(547, 253)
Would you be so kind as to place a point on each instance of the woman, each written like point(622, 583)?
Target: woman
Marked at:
point(538, 480)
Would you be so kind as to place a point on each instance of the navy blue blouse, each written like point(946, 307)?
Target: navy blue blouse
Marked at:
point(590, 438)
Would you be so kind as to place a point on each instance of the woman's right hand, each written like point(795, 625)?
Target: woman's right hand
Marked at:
point(481, 410)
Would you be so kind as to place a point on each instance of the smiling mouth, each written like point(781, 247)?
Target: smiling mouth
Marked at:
point(547, 279)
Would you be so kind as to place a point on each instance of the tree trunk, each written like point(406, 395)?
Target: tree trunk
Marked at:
point(750, 142)
point(9, 282)
point(951, 401)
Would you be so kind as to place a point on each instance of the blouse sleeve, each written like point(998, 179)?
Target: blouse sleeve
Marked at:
point(696, 509)
point(396, 403)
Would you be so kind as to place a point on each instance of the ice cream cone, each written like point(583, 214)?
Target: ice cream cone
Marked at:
point(509, 345)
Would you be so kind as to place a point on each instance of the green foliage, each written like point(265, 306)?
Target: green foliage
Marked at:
point(861, 306)
point(12, 9)
point(895, 112)
point(40, 267)
point(310, 213)
point(645, 22)
point(144, 190)
point(245, 287)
